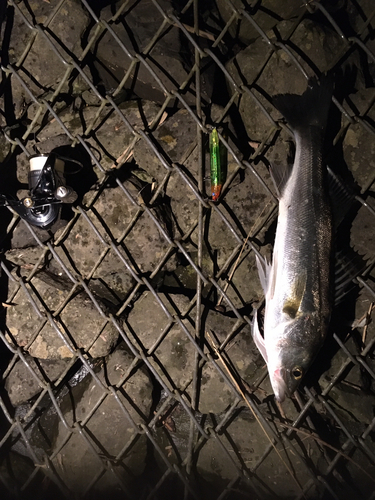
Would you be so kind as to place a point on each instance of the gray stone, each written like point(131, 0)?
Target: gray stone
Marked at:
point(280, 75)
point(25, 258)
point(266, 14)
point(142, 248)
point(13, 472)
point(79, 322)
point(42, 62)
point(112, 137)
point(174, 352)
point(358, 147)
point(22, 237)
point(110, 427)
point(247, 200)
point(177, 136)
point(358, 13)
point(22, 385)
point(135, 31)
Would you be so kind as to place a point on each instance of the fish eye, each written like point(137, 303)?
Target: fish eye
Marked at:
point(297, 372)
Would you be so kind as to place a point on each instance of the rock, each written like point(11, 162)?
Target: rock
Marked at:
point(173, 357)
point(177, 136)
point(358, 147)
point(80, 324)
point(358, 13)
point(318, 43)
point(265, 13)
point(245, 202)
point(5, 146)
point(112, 137)
point(13, 471)
point(363, 234)
point(109, 429)
point(22, 237)
point(142, 247)
point(25, 258)
point(173, 352)
point(135, 31)
point(21, 385)
point(46, 68)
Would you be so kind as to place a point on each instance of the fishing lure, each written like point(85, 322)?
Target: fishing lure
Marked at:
point(215, 165)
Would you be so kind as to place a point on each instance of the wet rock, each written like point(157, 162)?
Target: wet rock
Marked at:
point(79, 323)
point(173, 353)
point(362, 233)
point(177, 136)
point(5, 146)
point(244, 203)
point(22, 385)
point(241, 358)
point(265, 13)
point(318, 43)
point(217, 467)
point(112, 428)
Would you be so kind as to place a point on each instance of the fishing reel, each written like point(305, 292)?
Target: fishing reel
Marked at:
point(47, 191)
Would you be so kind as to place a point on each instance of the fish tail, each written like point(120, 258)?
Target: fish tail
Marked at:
point(309, 109)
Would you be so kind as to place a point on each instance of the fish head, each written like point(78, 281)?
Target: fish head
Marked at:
point(295, 351)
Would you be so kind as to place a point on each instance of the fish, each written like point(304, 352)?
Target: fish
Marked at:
point(298, 283)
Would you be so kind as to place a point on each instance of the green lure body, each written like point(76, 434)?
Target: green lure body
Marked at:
point(215, 165)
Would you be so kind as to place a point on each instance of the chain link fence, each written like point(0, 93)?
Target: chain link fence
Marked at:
point(128, 367)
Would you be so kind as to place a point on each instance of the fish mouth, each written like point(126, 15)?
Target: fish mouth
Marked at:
point(279, 385)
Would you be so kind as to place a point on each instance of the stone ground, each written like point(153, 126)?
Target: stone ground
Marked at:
point(128, 366)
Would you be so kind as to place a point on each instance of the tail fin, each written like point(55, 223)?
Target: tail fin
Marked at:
point(309, 109)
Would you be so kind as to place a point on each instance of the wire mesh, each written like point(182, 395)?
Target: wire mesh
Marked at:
point(128, 366)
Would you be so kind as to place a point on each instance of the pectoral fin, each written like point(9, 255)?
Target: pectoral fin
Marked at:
point(280, 175)
point(293, 303)
point(257, 336)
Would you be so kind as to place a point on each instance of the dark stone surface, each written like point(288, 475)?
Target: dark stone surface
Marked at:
point(21, 383)
point(109, 428)
point(79, 322)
